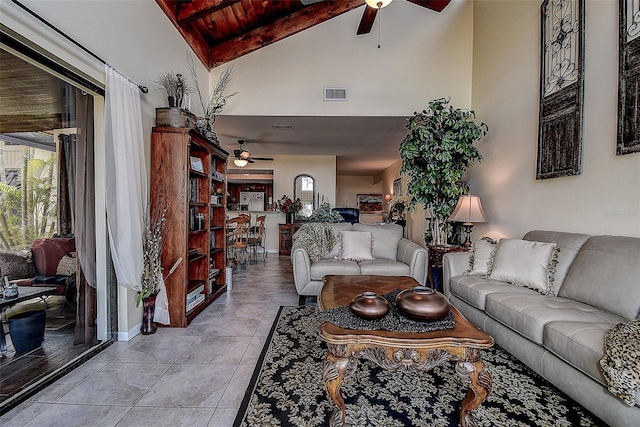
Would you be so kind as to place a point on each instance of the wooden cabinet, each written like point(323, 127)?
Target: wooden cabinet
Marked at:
point(188, 179)
point(285, 237)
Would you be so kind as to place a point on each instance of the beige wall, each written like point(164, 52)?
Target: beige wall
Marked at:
point(605, 198)
point(424, 55)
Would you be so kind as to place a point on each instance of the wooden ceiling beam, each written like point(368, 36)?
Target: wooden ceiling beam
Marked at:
point(284, 27)
point(193, 38)
point(188, 12)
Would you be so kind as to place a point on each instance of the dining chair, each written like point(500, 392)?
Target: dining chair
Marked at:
point(237, 245)
point(256, 238)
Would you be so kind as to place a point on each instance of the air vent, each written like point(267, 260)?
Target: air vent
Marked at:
point(335, 93)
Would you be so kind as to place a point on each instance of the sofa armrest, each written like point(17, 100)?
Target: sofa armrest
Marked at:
point(415, 256)
point(453, 264)
point(301, 267)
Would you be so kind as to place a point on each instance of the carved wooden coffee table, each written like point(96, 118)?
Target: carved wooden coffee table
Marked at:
point(399, 350)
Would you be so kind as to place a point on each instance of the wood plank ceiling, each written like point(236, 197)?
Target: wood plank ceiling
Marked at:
point(220, 31)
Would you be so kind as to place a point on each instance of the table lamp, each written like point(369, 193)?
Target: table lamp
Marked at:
point(468, 211)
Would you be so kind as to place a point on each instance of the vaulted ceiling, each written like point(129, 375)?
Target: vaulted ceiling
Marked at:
point(220, 31)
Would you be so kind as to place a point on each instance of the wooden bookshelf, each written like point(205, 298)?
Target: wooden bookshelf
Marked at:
point(186, 171)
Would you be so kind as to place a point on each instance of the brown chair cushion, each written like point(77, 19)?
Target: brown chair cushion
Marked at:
point(47, 253)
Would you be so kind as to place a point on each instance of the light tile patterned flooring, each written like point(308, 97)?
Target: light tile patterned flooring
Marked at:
point(195, 376)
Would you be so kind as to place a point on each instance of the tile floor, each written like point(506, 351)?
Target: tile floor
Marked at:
point(195, 376)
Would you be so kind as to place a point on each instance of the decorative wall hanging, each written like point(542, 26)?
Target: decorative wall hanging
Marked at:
point(561, 89)
point(370, 203)
point(629, 78)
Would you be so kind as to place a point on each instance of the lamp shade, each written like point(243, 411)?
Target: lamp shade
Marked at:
point(468, 210)
point(240, 162)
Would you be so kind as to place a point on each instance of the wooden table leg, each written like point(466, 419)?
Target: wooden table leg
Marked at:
point(478, 381)
point(335, 369)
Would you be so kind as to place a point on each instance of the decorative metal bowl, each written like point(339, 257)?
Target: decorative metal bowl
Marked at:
point(368, 305)
point(422, 303)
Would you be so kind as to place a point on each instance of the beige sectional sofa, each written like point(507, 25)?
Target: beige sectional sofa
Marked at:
point(393, 256)
point(596, 285)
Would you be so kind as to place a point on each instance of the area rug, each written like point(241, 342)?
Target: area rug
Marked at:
point(287, 389)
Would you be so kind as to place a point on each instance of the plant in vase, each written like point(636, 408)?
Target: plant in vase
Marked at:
point(398, 207)
point(289, 207)
point(435, 155)
point(324, 214)
point(212, 105)
point(175, 86)
point(152, 270)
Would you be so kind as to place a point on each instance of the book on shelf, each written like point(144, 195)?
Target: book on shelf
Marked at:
point(194, 294)
point(194, 303)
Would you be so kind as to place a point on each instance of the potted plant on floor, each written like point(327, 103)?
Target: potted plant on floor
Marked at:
point(435, 155)
point(152, 280)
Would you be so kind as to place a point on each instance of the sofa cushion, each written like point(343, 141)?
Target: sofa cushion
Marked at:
point(480, 259)
point(529, 313)
point(605, 275)
point(67, 265)
point(569, 244)
point(17, 265)
point(474, 289)
point(385, 238)
point(581, 344)
point(333, 266)
point(356, 245)
point(384, 267)
point(525, 263)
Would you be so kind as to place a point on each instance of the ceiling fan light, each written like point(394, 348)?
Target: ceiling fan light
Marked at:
point(240, 162)
point(374, 3)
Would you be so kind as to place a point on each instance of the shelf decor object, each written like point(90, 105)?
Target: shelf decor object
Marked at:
point(629, 78)
point(561, 89)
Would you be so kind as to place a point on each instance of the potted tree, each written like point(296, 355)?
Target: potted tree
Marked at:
point(435, 156)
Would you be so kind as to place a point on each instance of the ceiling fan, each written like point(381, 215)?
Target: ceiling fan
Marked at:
point(369, 15)
point(243, 157)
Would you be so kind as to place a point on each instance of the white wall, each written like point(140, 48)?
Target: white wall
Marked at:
point(605, 198)
point(424, 55)
point(137, 39)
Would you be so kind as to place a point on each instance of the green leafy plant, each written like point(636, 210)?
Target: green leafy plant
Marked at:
point(28, 208)
point(435, 155)
point(324, 214)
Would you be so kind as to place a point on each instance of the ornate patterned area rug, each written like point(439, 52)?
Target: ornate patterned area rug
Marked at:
point(287, 388)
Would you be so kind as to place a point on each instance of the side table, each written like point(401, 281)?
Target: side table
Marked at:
point(436, 252)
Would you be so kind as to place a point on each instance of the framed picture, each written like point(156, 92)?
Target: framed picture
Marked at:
point(397, 187)
point(196, 164)
point(370, 203)
point(629, 78)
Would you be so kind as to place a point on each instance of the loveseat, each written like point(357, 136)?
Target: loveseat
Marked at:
point(390, 255)
point(594, 285)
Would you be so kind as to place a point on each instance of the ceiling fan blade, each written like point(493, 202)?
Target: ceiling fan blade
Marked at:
point(436, 5)
point(366, 22)
point(263, 158)
point(250, 160)
point(237, 153)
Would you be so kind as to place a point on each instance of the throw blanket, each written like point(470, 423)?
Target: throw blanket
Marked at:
point(316, 237)
point(621, 361)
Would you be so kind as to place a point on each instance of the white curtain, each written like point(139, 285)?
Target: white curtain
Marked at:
point(126, 177)
point(127, 183)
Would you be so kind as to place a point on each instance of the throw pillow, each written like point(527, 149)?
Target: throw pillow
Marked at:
point(480, 259)
point(525, 263)
point(67, 265)
point(356, 245)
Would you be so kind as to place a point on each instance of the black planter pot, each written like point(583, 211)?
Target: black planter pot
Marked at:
point(27, 330)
